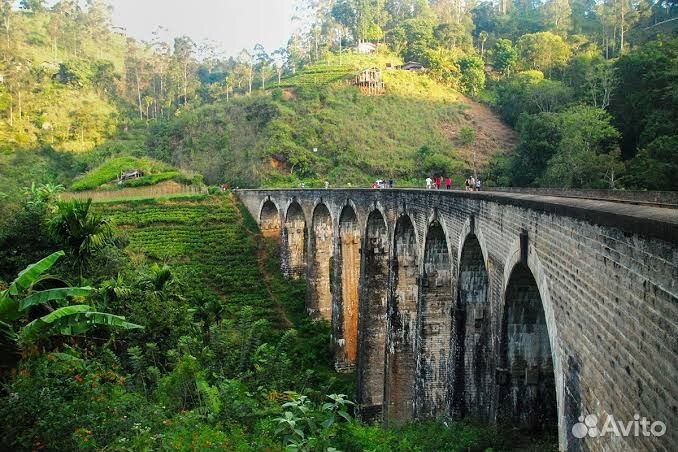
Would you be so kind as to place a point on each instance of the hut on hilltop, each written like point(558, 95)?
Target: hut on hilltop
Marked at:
point(369, 81)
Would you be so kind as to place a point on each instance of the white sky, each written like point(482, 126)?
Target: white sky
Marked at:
point(232, 24)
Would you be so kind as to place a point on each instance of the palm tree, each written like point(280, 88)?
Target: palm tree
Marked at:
point(21, 297)
point(82, 231)
point(159, 281)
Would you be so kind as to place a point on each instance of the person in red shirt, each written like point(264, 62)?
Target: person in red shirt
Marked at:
point(448, 183)
point(439, 180)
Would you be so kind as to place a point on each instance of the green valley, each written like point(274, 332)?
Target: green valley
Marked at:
point(141, 309)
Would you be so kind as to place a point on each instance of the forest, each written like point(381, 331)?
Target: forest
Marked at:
point(162, 322)
point(589, 87)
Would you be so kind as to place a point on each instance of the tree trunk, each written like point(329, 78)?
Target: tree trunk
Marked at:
point(7, 30)
point(141, 110)
point(621, 28)
point(185, 82)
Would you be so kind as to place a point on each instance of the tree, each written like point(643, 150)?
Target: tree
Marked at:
point(482, 38)
point(281, 59)
point(645, 97)
point(183, 57)
point(543, 51)
point(24, 296)
point(472, 74)
point(505, 56)
point(587, 155)
point(246, 63)
point(593, 79)
point(549, 95)
point(6, 14)
point(539, 138)
point(263, 64)
point(557, 15)
point(82, 231)
point(656, 165)
point(443, 66)
point(34, 6)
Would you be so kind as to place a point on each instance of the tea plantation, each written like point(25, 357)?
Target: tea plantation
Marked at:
point(203, 239)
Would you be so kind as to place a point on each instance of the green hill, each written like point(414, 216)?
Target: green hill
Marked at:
point(105, 175)
point(317, 127)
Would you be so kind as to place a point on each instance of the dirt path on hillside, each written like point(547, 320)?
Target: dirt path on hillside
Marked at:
point(262, 256)
point(492, 135)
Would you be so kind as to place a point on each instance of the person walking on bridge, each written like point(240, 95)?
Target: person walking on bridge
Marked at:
point(448, 183)
point(429, 181)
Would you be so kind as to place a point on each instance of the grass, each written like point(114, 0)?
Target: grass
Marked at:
point(107, 173)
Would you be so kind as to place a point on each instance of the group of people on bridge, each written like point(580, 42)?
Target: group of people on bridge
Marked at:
point(472, 183)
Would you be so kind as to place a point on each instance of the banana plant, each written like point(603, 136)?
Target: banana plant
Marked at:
point(21, 296)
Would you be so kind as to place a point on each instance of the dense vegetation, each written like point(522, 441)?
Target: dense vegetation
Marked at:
point(70, 83)
point(227, 358)
point(158, 324)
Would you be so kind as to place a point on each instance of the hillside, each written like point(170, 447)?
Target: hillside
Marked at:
point(317, 127)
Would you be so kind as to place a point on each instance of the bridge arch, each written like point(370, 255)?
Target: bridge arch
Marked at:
point(531, 381)
point(401, 361)
point(294, 242)
point(321, 253)
point(434, 323)
point(345, 317)
point(270, 222)
point(472, 332)
point(372, 316)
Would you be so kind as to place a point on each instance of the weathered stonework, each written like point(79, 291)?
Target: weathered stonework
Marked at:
point(348, 276)
point(435, 324)
point(294, 242)
point(321, 251)
point(401, 358)
point(269, 220)
point(536, 310)
point(472, 328)
point(372, 317)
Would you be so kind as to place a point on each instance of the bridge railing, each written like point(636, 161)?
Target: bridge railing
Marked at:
point(660, 198)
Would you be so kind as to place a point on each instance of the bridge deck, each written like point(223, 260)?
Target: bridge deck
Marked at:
point(647, 220)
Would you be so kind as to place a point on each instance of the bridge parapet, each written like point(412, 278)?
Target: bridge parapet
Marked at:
point(500, 300)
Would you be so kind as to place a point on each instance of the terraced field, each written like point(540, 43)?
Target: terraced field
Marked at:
point(317, 75)
point(205, 239)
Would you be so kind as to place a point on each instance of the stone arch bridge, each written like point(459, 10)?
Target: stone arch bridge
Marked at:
point(510, 308)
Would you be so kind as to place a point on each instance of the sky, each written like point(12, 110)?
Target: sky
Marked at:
point(231, 24)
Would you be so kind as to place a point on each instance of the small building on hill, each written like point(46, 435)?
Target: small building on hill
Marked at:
point(412, 66)
point(366, 47)
point(127, 175)
point(369, 81)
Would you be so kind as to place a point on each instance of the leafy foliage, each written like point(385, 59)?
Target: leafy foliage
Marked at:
point(21, 296)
